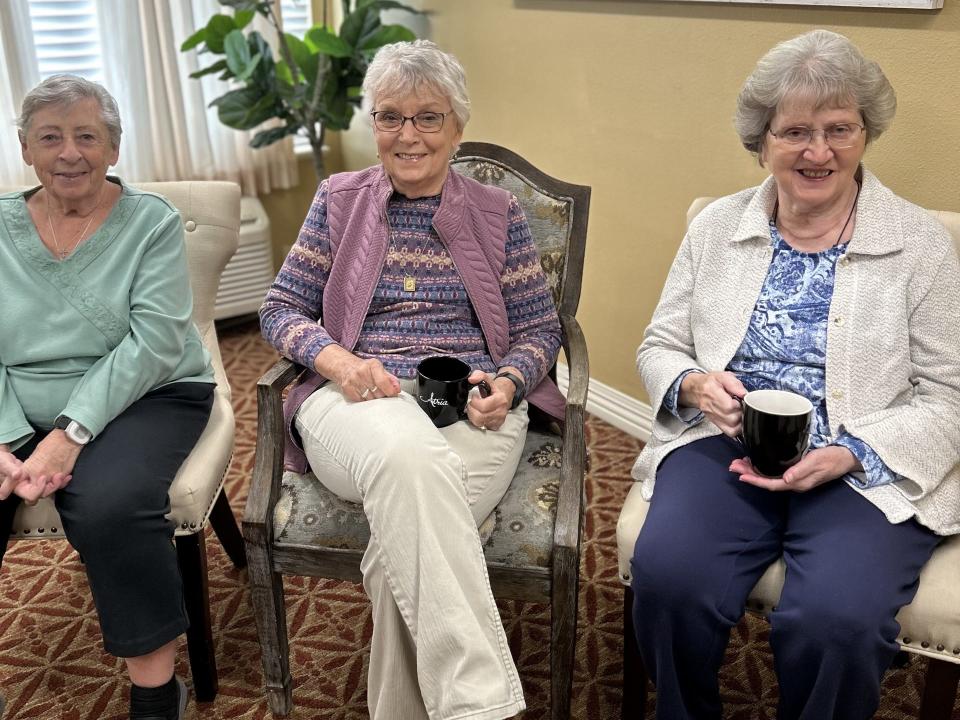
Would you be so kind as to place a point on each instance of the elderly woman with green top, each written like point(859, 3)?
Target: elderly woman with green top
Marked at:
point(105, 386)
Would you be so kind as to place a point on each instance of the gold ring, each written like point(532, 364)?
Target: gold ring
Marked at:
point(365, 393)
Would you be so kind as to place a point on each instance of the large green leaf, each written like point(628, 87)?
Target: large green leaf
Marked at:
point(305, 59)
point(272, 135)
point(384, 35)
point(245, 108)
point(264, 74)
point(218, 28)
point(284, 74)
point(216, 67)
point(238, 53)
point(320, 39)
point(352, 27)
point(379, 5)
point(242, 18)
point(191, 42)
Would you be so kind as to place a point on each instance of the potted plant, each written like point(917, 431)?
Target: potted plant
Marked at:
point(313, 85)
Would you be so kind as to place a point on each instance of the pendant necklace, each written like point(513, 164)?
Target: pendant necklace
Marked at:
point(63, 253)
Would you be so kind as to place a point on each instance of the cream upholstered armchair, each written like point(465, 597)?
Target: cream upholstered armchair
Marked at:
point(211, 218)
point(929, 626)
point(293, 525)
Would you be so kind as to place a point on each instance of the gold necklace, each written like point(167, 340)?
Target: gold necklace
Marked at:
point(62, 254)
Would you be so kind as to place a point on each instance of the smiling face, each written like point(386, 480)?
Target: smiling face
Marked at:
point(817, 177)
point(69, 148)
point(417, 162)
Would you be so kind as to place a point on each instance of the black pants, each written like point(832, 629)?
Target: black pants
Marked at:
point(114, 514)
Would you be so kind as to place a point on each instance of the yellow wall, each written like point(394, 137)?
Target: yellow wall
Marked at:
point(636, 98)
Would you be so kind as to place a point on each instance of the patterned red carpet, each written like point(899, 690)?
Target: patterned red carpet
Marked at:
point(52, 663)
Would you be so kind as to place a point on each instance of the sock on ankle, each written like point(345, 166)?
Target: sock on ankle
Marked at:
point(155, 702)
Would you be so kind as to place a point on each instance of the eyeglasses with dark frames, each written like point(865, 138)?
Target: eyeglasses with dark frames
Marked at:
point(392, 121)
point(838, 136)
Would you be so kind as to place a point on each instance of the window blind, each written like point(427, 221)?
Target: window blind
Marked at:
point(66, 38)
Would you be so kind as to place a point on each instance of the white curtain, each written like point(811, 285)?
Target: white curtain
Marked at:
point(21, 74)
point(169, 133)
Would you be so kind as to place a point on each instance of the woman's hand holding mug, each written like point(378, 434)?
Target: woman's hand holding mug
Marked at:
point(815, 468)
point(490, 412)
point(715, 395)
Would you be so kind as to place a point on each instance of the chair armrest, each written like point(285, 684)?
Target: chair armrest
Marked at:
point(566, 532)
point(268, 463)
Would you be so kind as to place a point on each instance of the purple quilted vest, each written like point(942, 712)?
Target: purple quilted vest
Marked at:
point(471, 222)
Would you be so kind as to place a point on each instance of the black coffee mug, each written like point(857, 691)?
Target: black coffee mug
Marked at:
point(776, 429)
point(442, 388)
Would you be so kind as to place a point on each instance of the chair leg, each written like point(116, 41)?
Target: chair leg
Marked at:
point(270, 613)
point(939, 690)
point(192, 557)
point(563, 640)
point(225, 526)
point(634, 704)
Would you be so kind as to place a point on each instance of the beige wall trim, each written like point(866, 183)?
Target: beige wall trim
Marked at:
point(622, 411)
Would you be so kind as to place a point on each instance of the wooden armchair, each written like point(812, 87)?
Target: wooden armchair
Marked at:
point(929, 626)
point(293, 525)
point(211, 217)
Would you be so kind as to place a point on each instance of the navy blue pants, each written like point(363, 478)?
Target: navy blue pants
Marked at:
point(707, 540)
point(114, 514)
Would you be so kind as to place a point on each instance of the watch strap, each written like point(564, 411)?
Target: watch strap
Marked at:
point(519, 384)
point(74, 431)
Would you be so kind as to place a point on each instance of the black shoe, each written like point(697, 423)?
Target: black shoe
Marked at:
point(182, 695)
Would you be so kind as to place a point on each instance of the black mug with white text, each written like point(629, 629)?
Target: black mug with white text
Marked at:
point(443, 388)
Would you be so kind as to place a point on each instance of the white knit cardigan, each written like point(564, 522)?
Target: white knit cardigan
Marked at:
point(893, 339)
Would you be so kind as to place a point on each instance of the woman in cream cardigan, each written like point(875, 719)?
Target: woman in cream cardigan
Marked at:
point(823, 282)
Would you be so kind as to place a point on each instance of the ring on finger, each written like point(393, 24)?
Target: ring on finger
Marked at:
point(366, 391)
point(483, 428)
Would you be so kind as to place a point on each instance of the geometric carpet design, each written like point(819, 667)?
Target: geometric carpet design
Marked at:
point(52, 663)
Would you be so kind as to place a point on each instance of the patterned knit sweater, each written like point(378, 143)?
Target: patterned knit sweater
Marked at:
point(420, 305)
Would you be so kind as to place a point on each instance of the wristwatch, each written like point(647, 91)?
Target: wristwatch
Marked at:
point(518, 383)
point(73, 430)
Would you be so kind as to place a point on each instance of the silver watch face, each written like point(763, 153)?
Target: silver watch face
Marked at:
point(77, 433)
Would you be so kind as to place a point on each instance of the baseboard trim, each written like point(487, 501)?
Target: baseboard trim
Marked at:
point(624, 412)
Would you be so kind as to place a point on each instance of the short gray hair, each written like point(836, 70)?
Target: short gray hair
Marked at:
point(823, 67)
point(66, 90)
point(404, 67)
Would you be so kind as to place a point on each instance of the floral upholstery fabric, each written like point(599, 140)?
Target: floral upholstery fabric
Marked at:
point(519, 532)
point(548, 216)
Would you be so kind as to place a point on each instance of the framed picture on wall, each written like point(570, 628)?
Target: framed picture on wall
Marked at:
point(899, 4)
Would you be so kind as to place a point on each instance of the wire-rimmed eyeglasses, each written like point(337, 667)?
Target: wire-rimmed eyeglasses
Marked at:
point(838, 136)
point(392, 121)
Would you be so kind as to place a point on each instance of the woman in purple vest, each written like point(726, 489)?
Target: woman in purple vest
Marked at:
point(398, 262)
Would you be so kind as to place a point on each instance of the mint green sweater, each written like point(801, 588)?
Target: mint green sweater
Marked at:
point(88, 336)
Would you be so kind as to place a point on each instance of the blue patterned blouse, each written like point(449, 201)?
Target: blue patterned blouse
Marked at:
point(785, 347)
